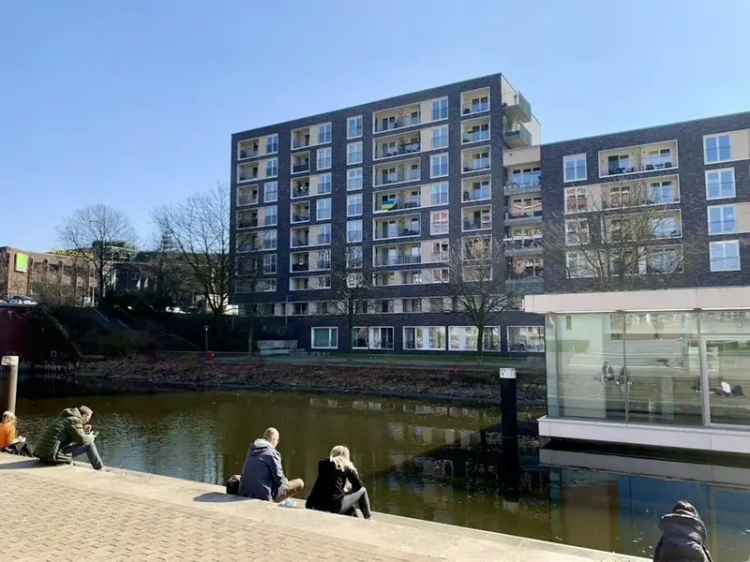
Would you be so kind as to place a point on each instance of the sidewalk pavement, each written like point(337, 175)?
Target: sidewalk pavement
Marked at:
point(60, 513)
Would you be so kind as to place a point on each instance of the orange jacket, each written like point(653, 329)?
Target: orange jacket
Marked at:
point(7, 434)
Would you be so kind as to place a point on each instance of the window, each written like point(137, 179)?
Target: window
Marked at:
point(269, 264)
point(354, 127)
point(271, 215)
point(577, 265)
point(372, 338)
point(269, 239)
point(439, 165)
point(577, 232)
point(354, 231)
point(524, 339)
point(424, 338)
point(354, 257)
point(354, 153)
point(722, 219)
point(324, 338)
point(353, 179)
point(440, 193)
point(725, 255)
point(247, 195)
point(324, 234)
point(664, 260)
point(720, 184)
point(439, 222)
point(440, 137)
point(464, 338)
point(576, 200)
point(574, 167)
point(272, 168)
point(662, 193)
point(665, 226)
point(272, 144)
point(323, 158)
point(323, 209)
point(717, 148)
point(354, 280)
point(324, 133)
point(270, 192)
point(411, 305)
point(440, 109)
point(324, 184)
point(354, 205)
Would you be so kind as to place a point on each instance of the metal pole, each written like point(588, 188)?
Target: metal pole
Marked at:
point(205, 338)
point(8, 382)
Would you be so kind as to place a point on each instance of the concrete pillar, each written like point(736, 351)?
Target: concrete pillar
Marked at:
point(8, 382)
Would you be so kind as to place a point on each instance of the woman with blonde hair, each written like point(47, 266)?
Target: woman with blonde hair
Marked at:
point(330, 492)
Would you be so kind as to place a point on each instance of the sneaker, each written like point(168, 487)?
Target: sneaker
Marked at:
point(288, 503)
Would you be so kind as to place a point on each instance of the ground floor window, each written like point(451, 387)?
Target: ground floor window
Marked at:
point(372, 338)
point(325, 338)
point(526, 339)
point(424, 338)
point(464, 338)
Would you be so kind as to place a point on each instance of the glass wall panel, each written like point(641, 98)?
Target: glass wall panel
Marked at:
point(662, 353)
point(727, 340)
point(587, 373)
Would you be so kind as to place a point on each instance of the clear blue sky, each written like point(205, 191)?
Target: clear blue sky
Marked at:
point(132, 103)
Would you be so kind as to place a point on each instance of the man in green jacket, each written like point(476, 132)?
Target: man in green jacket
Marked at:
point(69, 435)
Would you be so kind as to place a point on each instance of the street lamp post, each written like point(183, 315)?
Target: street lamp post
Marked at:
point(205, 338)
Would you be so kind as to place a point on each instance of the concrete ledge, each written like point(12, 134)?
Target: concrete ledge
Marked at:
point(720, 440)
point(387, 537)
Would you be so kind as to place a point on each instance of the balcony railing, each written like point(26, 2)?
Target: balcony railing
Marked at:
point(478, 107)
point(517, 136)
point(249, 153)
point(396, 233)
point(390, 124)
point(518, 107)
point(300, 267)
point(301, 142)
point(301, 192)
point(476, 136)
point(476, 165)
point(300, 218)
point(304, 167)
point(476, 225)
point(524, 186)
point(616, 170)
point(519, 244)
point(410, 175)
point(476, 195)
point(523, 215)
point(397, 260)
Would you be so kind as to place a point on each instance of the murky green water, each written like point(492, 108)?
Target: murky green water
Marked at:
point(430, 461)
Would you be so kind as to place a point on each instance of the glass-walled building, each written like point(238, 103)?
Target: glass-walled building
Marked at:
point(663, 368)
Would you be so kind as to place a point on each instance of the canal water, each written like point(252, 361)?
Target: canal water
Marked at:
point(430, 461)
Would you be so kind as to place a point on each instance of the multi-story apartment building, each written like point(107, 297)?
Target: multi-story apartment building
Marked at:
point(386, 194)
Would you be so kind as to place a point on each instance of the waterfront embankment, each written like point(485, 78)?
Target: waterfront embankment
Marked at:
point(135, 516)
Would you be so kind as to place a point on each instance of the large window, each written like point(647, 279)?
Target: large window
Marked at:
point(439, 222)
point(662, 192)
point(725, 255)
point(269, 264)
point(464, 338)
point(424, 338)
point(526, 339)
point(354, 153)
point(372, 338)
point(440, 137)
point(272, 168)
point(324, 338)
point(323, 209)
point(440, 109)
point(574, 167)
point(325, 185)
point(717, 148)
point(354, 258)
point(272, 144)
point(325, 133)
point(577, 232)
point(439, 194)
point(353, 179)
point(270, 192)
point(354, 231)
point(354, 127)
point(720, 184)
point(722, 219)
point(439, 165)
point(324, 158)
point(576, 200)
point(354, 205)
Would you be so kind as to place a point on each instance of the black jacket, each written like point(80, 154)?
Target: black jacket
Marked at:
point(328, 491)
point(683, 539)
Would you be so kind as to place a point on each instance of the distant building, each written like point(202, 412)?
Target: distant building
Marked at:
point(49, 278)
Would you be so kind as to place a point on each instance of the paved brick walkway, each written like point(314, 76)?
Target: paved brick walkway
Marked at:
point(74, 513)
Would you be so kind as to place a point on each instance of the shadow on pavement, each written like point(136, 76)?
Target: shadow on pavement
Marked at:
point(28, 463)
point(215, 497)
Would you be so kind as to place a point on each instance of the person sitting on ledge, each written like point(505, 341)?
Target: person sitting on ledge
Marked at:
point(683, 536)
point(9, 441)
point(263, 475)
point(329, 493)
point(69, 435)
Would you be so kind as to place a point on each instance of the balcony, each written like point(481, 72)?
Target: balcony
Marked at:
point(248, 172)
point(475, 160)
point(397, 146)
point(385, 174)
point(475, 130)
point(523, 246)
point(525, 286)
point(390, 119)
point(300, 212)
point(527, 184)
point(475, 101)
point(640, 158)
point(248, 149)
point(517, 107)
point(300, 188)
point(403, 227)
point(523, 217)
point(300, 163)
point(476, 189)
point(402, 259)
point(410, 198)
point(517, 136)
point(477, 218)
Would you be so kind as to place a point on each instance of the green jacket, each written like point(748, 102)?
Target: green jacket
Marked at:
point(66, 429)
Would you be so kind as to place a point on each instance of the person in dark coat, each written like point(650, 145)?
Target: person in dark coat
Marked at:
point(683, 536)
point(330, 490)
point(69, 435)
point(263, 475)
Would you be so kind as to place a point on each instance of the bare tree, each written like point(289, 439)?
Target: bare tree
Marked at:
point(350, 297)
point(619, 237)
point(92, 233)
point(198, 228)
point(475, 283)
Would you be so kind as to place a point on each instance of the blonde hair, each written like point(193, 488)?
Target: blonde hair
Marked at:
point(340, 456)
point(271, 434)
point(9, 417)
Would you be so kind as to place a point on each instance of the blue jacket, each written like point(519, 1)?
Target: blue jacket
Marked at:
point(262, 475)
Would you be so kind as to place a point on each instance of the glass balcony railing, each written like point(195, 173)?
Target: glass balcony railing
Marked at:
point(389, 124)
point(524, 185)
point(523, 215)
point(476, 107)
point(517, 244)
point(478, 164)
point(389, 178)
point(476, 136)
point(397, 260)
point(477, 195)
point(302, 167)
point(476, 224)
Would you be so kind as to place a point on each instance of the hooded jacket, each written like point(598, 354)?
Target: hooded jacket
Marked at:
point(683, 539)
point(66, 429)
point(262, 475)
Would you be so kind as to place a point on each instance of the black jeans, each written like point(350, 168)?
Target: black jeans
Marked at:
point(90, 450)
